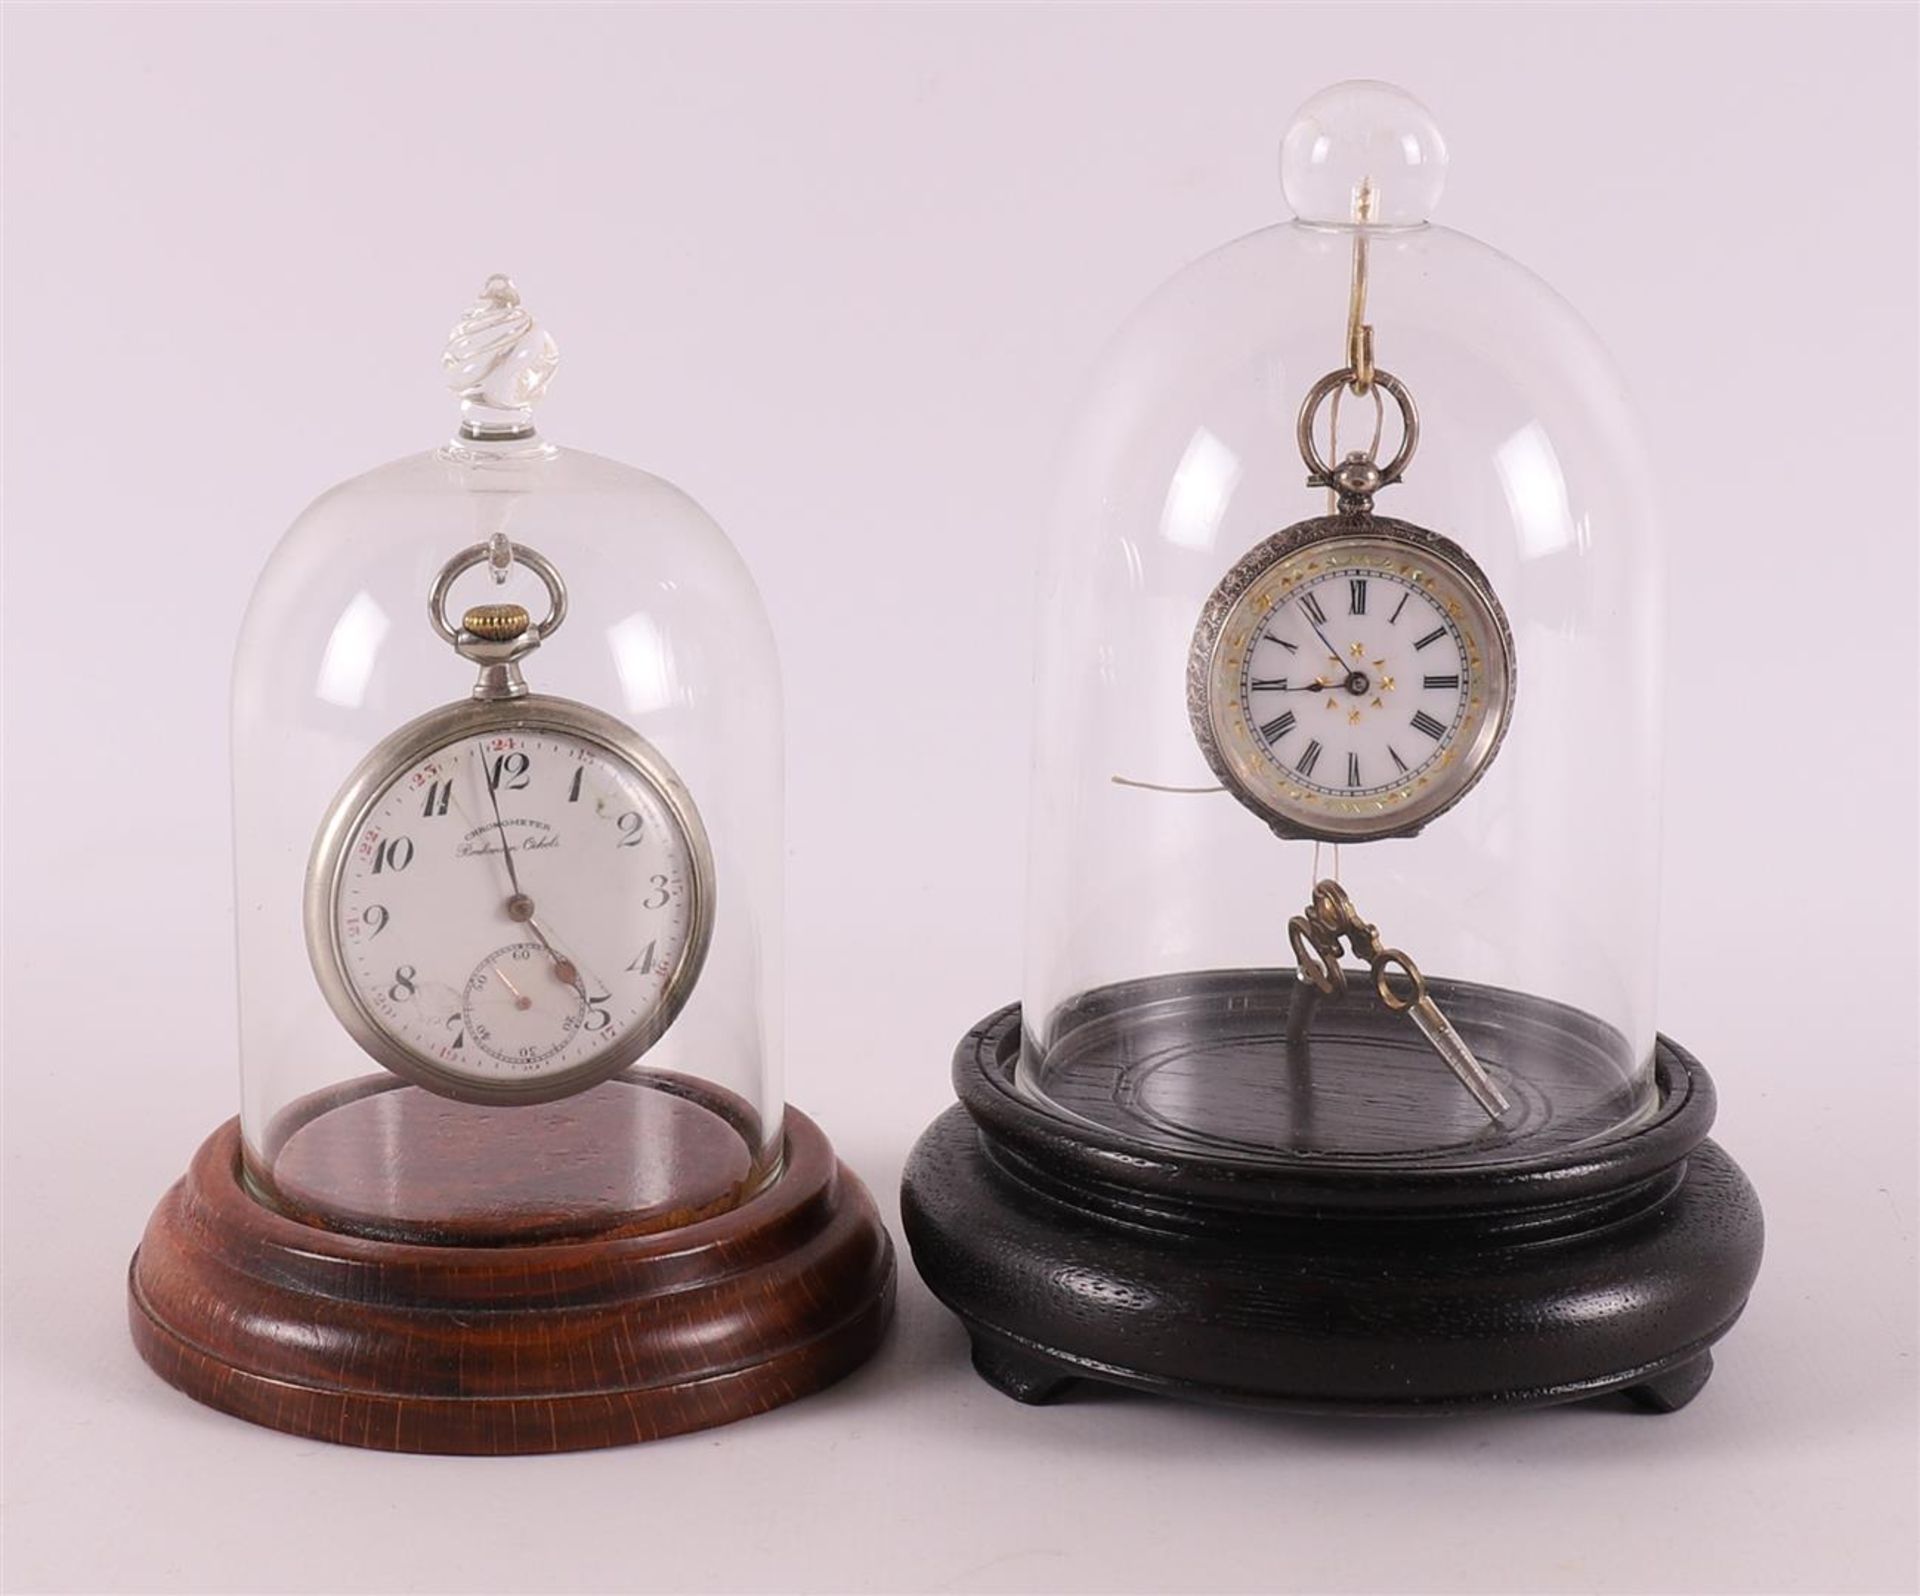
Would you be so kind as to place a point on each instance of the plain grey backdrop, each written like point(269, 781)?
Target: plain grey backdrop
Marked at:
point(839, 272)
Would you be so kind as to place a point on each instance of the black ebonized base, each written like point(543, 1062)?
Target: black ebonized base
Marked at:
point(1328, 1284)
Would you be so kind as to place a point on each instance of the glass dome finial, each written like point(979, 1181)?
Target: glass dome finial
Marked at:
point(1363, 151)
point(499, 360)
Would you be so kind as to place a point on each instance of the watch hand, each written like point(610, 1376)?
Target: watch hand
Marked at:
point(563, 967)
point(520, 999)
point(520, 906)
point(1332, 652)
point(506, 847)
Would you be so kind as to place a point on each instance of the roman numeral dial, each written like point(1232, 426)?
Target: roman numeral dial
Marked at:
point(1357, 684)
point(1377, 683)
point(1380, 681)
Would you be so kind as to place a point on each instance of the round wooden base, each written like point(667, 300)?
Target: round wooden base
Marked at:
point(545, 1347)
point(1325, 1284)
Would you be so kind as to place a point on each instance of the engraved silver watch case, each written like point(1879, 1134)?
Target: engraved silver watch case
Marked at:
point(1360, 544)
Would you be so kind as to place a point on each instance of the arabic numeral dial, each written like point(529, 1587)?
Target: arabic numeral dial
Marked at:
point(513, 913)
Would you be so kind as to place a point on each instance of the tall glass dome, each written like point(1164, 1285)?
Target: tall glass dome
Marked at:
point(355, 1044)
point(1160, 970)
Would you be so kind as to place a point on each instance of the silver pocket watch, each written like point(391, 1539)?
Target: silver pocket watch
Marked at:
point(1351, 677)
point(512, 897)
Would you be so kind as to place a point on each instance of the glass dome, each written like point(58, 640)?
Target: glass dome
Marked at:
point(1160, 976)
point(367, 1108)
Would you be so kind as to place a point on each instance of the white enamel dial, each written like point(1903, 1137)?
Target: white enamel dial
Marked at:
point(1354, 686)
point(514, 903)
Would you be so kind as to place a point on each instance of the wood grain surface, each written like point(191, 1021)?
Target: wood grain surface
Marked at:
point(545, 1347)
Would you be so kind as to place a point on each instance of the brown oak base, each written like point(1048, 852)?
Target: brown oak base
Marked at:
point(550, 1347)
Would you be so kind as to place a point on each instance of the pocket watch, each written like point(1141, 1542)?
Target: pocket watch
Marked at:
point(1352, 676)
point(512, 896)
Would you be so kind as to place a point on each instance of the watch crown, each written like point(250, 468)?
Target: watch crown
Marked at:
point(496, 623)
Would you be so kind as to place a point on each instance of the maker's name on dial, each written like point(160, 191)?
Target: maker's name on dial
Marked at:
point(485, 840)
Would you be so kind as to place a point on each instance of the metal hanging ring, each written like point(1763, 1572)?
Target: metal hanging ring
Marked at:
point(1321, 472)
point(467, 559)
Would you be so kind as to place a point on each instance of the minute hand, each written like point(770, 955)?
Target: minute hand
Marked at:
point(493, 797)
point(1332, 652)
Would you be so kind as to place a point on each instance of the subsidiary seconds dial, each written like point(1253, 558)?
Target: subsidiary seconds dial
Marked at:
point(1351, 678)
point(510, 902)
